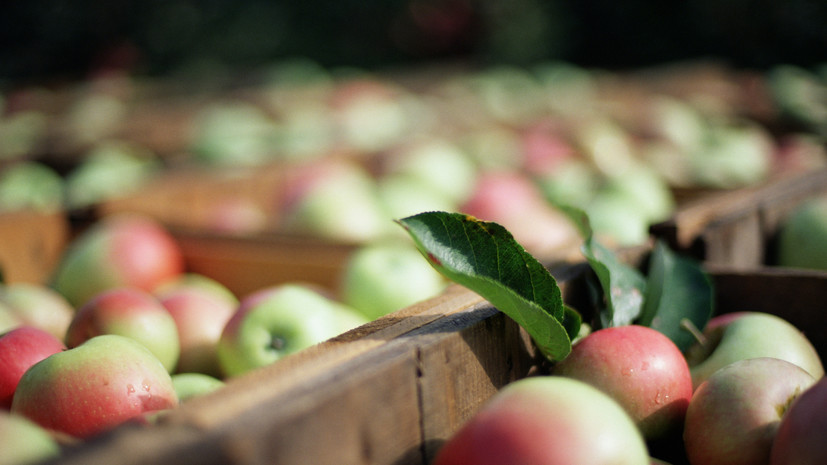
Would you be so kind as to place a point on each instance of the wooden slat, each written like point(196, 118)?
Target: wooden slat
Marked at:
point(31, 245)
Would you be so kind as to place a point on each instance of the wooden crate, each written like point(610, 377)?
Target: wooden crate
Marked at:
point(391, 392)
point(738, 228)
point(31, 244)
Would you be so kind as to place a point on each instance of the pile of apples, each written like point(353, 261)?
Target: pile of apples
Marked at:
point(750, 391)
point(123, 333)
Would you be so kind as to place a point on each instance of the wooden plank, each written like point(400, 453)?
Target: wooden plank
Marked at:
point(31, 245)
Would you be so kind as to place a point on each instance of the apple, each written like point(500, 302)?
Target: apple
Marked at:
point(189, 385)
point(21, 348)
point(734, 415)
point(202, 282)
point(233, 133)
point(129, 312)
point(22, 441)
point(277, 321)
point(8, 318)
point(370, 114)
point(402, 196)
point(30, 185)
point(514, 201)
point(382, 277)
point(742, 335)
point(639, 367)
point(200, 316)
point(94, 387)
point(546, 420)
point(119, 250)
point(802, 237)
point(800, 436)
point(333, 199)
point(733, 156)
point(38, 305)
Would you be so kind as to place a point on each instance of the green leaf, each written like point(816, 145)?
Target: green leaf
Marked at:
point(485, 258)
point(678, 290)
point(623, 285)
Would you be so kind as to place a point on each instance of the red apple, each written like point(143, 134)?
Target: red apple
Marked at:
point(120, 250)
point(21, 348)
point(800, 436)
point(734, 415)
point(547, 420)
point(639, 367)
point(200, 316)
point(93, 387)
point(132, 313)
point(39, 305)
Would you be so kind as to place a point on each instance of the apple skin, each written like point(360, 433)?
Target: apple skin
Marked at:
point(22, 441)
point(94, 387)
point(119, 250)
point(21, 348)
point(546, 420)
point(742, 335)
point(802, 238)
point(800, 436)
point(8, 318)
point(200, 316)
point(277, 321)
point(382, 277)
point(189, 385)
point(639, 367)
point(734, 415)
point(132, 313)
point(39, 305)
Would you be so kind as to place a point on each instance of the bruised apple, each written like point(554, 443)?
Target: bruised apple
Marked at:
point(641, 368)
point(548, 420)
point(94, 387)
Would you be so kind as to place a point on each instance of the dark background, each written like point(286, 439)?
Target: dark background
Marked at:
point(48, 39)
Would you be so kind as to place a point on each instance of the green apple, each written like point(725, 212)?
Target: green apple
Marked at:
point(132, 313)
point(30, 185)
point(94, 387)
point(382, 277)
point(731, 337)
point(24, 442)
point(547, 420)
point(277, 321)
point(120, 250)
point(733, 156)
point(802, 237)
point(734, 415)
point(38, 305)
point(189, 385)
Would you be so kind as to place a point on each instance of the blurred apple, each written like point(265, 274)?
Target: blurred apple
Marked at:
point(38, 305)
point(802, 237)
point(277, 321)
point(334, 199)
point(189, 385)
point(93, 387)
point(733, 156)
point(547, 420)
point(233, 133)
point(382, 277)
point(639, 367)
point(737, 336)
point(30, 185)
point(24, 442)
point(119, 250)
point(800, 436)
point(573, 182)
point(200, 315)
point(21, 348)
point(370, 114)
point(132, 313)
point(8, 318)
point(734, 415)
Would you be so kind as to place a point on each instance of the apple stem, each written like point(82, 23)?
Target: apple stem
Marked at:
point(688, 325)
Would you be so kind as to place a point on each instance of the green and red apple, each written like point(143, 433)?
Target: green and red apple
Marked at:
point(38, 305)
point(21, 348)
point(734, 415)
point(94, 387)
point(277, 321)
point(639, 367)
point(799, 439)
point(132, 313)
point(547, 420)
point(119, 250)
point(731, 337)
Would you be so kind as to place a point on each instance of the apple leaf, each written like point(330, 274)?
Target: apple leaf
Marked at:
point(623, 285)
point(678, 290)
point(485, 258)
